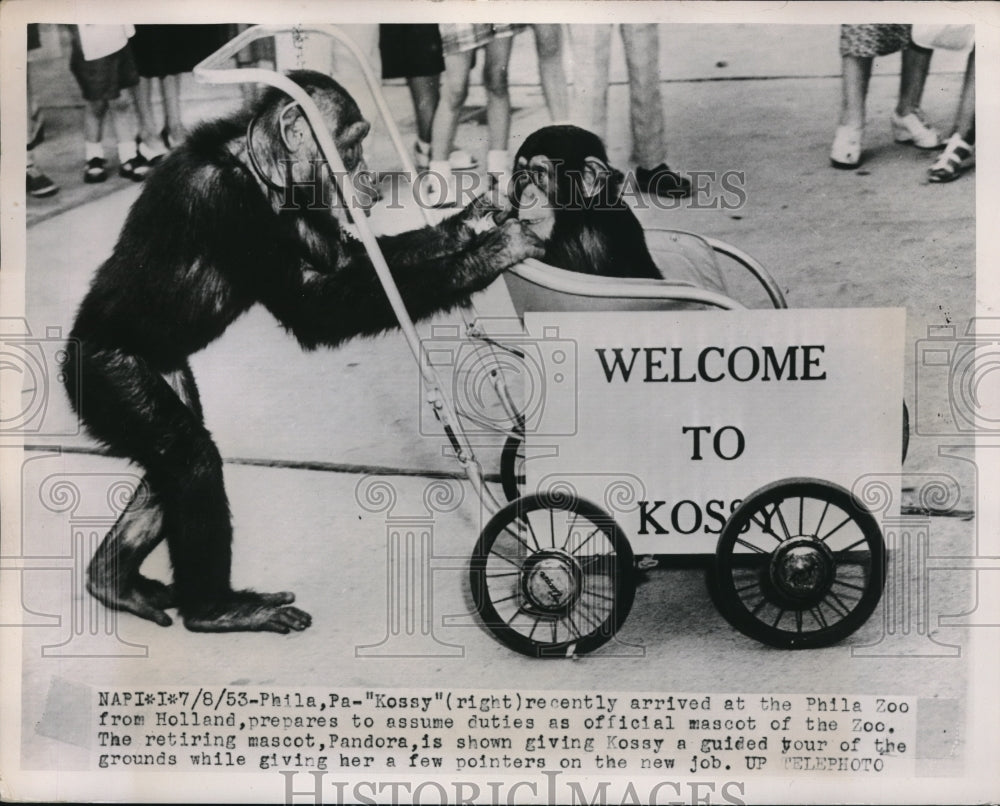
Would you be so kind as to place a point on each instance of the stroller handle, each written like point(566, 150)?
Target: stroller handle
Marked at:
point(213, 70)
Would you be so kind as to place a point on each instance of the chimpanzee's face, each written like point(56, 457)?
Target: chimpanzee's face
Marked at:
point(533, 183)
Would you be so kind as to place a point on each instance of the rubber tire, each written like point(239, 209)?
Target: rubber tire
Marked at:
point(734, 609)
point(624, 590)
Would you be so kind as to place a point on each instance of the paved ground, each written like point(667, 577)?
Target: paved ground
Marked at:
point(880, 236)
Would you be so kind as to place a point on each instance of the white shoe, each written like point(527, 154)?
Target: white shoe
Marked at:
point(436, 188)
point(912, 128)
point(462, 161)
point(958, 156)
point(846, 150)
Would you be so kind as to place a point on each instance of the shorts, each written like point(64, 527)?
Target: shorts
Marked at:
point(459, 37)
point(103, 79)
point(410, 50)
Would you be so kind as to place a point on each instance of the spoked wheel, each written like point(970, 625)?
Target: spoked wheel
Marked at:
point(512, 476)
point(552, 575)
point(800, 564)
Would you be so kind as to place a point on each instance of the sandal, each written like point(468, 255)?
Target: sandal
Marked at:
point(846, 150)
point(94, 171)
point(134, 169)
point(958, 156)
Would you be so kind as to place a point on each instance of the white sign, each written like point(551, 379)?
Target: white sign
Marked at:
point(667, 420)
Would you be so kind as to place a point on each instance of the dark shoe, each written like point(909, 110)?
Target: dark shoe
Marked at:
point(153, 155)
point(95, 172)
point(39, 185)
point(661, 181)
point(37, 134)
point(134, 169)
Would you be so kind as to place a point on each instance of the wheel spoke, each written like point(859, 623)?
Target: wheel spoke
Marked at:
point(759, 606)
point(518, 539)
point(818, 615)
point(534, 538)
point(849, 585)
point(505, 598)
point(765, 527)
point(781, 520)
point(743, 542)
point(840, 608)
point(822, 517)
point(802, 506)
point(846, 520)
point(569, 533)
point(855, 543)
point(503, 573)
point(552, 527)
point(505, 559)
point(585, 542)
point(798, 621)
point(781, 612)
point(754, 584)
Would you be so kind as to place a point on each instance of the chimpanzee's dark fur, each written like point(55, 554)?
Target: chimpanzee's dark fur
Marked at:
point(595, 235)
point(202, 244)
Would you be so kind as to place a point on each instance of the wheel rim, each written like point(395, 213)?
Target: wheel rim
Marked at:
point(799, 564)
point(547, 577)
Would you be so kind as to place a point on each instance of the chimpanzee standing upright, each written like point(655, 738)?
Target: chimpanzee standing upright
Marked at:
point(212, 234)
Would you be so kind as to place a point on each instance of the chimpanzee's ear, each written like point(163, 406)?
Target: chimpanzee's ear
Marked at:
point(354, 133)
point(596, 174)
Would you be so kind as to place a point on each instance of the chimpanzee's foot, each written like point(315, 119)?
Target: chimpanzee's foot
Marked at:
point(145, 597)
point(247, 611)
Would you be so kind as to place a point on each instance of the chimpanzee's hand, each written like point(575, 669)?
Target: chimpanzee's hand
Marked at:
point(481, 214)
point(519, 242)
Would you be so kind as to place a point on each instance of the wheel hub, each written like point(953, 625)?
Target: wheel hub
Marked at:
point(802, 570)
point(551, 581)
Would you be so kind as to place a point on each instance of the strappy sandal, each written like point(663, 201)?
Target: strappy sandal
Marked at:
point(958, 156)
point(94, 171)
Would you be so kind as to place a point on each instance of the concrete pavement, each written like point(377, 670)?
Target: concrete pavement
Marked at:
point(873, 237)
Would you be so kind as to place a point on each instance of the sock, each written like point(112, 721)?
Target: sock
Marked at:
point(126, 150)
point(496, 161)
point(94, 151)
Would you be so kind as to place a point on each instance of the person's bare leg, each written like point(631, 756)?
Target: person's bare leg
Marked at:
point(425, 92)
point(455, 89)
point(551, 72)
point(497, 92)
point(856, 73)
point(912, 77)
point(965, 117)
point(176, 130)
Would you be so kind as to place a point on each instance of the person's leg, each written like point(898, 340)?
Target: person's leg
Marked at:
point(144, 109)
point(965, 117)
point(497, 92)
point(642, 58)
point(176, 131)
point(649, 148)
point(94, 113)
point(441, 185)
point(125, 129)
point(912, 77)
point(551, 72)
point(960, 151)
point(908, 124)
point(425, 92)
point(855, 74)
point(591, 62)
point(37, 184)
